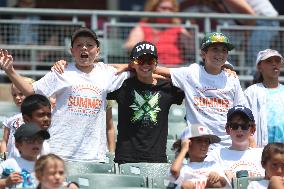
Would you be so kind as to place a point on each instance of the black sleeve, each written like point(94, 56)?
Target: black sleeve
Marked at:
point(113, 95)
point(178, 95)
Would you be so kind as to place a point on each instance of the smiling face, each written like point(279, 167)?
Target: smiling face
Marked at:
point(53, 174)
point(270, 68)
point(144, 67)
point(215, 57)
point(85, 52)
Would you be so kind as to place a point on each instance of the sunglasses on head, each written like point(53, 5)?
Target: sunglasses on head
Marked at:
point(235, 126)
point(145, 60)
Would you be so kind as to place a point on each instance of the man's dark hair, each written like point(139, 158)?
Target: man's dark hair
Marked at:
point(33, 103)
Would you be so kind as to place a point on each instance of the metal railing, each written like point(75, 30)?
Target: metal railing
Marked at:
point(114, 33)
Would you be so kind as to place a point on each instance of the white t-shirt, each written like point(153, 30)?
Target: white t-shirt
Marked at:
point(13, 123)
point(22, 166)
point(263, 7)
point(198, 172)
point(208, 97)
point(78, 128)
point(262, 184)
point(234, 160)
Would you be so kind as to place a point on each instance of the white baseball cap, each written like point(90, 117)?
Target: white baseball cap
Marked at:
point(267, 53)
point(198, 130)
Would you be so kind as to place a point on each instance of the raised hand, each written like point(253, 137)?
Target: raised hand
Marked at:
point(6, 60)
point(59, 66)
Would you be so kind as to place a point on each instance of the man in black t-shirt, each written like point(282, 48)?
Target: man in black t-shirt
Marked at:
point(143, 108)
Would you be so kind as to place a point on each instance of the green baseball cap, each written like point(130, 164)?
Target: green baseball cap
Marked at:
point(216, 37)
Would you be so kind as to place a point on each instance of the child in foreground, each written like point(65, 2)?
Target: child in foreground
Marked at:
point(199, 172)
point(18, 172)
point(272, 160)
point(239, 156)
point(50, 172)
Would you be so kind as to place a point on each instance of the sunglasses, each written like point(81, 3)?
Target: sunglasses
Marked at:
point(236, 126)
point(148, 61)
point(33, 140)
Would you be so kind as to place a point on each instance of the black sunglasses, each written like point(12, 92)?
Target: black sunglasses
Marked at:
point(235, 126)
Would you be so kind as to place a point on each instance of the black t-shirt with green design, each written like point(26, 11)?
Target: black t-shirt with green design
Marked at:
point(143, 119)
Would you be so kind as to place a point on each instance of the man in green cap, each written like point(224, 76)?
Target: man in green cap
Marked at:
point(209, 91)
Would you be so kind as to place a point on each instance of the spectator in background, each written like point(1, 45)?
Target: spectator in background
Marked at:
point(265, 98)
point(259, 39)
point(173, 42)
point(26, 34)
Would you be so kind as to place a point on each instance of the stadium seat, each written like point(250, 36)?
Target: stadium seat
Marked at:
point(74, 168)
point(99, 181)
point(242, 183)
point(162, 182)
point(147, 170)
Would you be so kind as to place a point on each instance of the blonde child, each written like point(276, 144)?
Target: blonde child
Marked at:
point(266, 100)
point(13, 122)
point(272, 160)
point(50, 172)
point(78, 128)
point(199, 172)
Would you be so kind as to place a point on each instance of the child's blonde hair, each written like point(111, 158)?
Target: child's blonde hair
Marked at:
point(41, 163)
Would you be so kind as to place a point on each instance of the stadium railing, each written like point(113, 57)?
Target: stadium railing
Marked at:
point(114, 32)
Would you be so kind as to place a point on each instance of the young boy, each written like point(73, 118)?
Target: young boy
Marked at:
point(37, 109)
point(78, 128)
point(143, 108)
point(199, 172)
point(18, 172)
point(209, 91)
point(239, 156)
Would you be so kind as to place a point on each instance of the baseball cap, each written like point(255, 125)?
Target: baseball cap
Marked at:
point(28, 130)
point(86, 32)
point(198, 130)
point(142, 48)
point(216, 37)
point(267, 53)
point(240, 109)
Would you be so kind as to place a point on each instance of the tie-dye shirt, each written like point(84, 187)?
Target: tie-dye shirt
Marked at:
point(275, 112)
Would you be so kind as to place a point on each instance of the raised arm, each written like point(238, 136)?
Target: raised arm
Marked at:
point(6, 64)
point(164, 71)
point(177, 164)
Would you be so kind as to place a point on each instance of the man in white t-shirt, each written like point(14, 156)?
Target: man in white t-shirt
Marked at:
point(78, 127)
